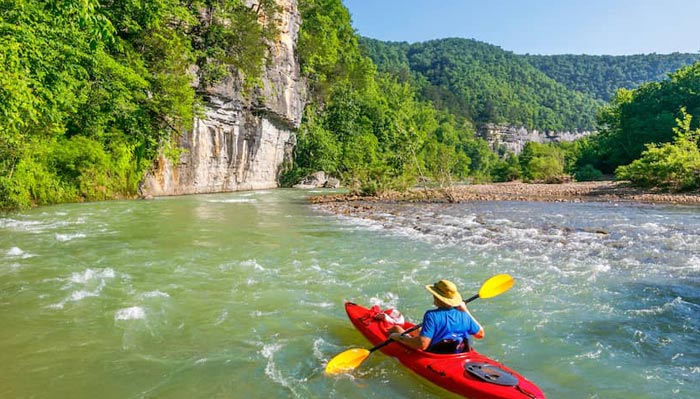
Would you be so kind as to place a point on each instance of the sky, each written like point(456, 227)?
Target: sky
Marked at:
point(595, 27)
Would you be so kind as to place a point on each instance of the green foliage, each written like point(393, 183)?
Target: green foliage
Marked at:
point(673, 166)
point(328, 48)
point(645, 115)
point(588, 173)
point(483, 83)
point(317, 147)
point(482, 159)
point(443, 162)
point(508, 169)
point(585, 153)
point(602, 75)
point(542, 163)
point(372, 129)
point(244, 47)
point(98, 87)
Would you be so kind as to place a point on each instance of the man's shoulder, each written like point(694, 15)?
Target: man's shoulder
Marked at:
point(438, 311)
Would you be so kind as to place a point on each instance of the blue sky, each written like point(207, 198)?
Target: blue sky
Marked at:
point(614, 27)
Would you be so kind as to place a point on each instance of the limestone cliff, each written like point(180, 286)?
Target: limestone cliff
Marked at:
point(241, 141)
point(514, 138)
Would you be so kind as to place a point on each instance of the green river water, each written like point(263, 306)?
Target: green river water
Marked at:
point(241, 295)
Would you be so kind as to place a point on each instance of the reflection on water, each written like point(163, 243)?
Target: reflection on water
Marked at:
point(240, 295)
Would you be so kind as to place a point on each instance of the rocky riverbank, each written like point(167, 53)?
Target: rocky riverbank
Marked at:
point(606, 191)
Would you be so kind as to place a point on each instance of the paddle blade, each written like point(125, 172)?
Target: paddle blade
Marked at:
point(347, 361)
point(496, 285)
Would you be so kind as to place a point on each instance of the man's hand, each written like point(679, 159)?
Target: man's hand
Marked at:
point(395, 336)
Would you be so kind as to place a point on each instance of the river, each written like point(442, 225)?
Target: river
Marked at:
point(241, 295)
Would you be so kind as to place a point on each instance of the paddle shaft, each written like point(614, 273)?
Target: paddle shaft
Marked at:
point(414, 328)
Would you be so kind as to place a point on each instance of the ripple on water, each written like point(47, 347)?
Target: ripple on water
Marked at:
point(602, 294)
point(88, 283)
point(154, 294)
point(273, 372)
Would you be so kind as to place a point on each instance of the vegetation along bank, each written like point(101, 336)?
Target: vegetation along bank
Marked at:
point(93, 94)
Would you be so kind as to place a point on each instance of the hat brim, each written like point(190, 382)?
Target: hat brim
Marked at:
point(448, 301)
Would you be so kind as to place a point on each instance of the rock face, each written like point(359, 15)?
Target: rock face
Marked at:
point(513, 138)
point(241, 142)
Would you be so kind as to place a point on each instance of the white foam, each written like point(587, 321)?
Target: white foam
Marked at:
point(252, 263)
point(677, 356)
point(91, 282)
point(390, 300)
point(318, 343)
point(90, 275)
point(233, 201)
point(693, 263)
point(155, 294)
point(17, 224)
point(259, 313)
point(322, 305)
point(222, 318)
point(15, 251)
point(657, 310)
point(132, 313)
point(654, 227)
point(68, 237)
point(82, 294)
point(268, 351)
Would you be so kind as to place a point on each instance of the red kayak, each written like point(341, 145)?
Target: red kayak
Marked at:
point(469, 374)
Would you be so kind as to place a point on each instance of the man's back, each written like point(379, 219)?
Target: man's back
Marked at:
point(452, 324)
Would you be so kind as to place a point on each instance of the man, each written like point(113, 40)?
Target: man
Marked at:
point(447, 328)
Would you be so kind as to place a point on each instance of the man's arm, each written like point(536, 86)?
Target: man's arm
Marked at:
point(417, 342)
point(479, 334)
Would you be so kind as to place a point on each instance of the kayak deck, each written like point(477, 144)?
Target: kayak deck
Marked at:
point(469, 374)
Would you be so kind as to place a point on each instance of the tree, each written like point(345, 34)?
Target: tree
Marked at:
point(646, 115)
point(673, 166)
point(109, 83)
point(542, 163)
point(508, 169)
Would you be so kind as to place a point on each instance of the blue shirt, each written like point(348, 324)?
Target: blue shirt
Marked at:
point(452, 323)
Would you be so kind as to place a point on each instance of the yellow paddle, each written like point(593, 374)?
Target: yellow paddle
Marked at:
point(352, 358)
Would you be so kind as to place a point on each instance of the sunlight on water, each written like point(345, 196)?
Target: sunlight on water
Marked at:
point(240, 295)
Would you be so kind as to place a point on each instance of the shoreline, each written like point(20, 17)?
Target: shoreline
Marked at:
point(598, 191)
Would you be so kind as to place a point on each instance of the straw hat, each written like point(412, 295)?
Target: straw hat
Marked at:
point(445, 291)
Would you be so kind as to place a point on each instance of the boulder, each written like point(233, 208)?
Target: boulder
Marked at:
point(318, 180)
point(332, 182)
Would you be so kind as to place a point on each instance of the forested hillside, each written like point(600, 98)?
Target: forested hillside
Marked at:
point(484, 83)
point(648, 135)
point(90, 91)
point(372, 129)
point(487, 84)
point(601, 75)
